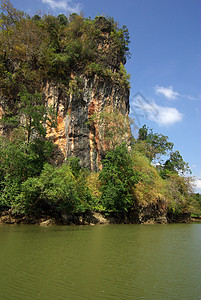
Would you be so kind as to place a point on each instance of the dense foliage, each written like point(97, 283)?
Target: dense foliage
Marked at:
point(36, 49)
point(31, 185)
point(118, 179)
point(170, 179)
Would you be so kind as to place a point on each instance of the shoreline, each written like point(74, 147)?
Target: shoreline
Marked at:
point(91, 218)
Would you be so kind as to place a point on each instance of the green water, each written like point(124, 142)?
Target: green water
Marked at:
point(100, 262)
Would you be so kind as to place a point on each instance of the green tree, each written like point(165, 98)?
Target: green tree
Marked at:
point(177, 192)
point(18, 162)
point(10, 14)
point(53, 190)
point(152, 144)
point(175, 164)
point(24, 152)
point(74, 163)
point(35, 115)
point(118, 179)
point(195, 204)
point(12, 170)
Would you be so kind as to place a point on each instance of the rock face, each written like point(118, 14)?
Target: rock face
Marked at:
point(153, 213)
point(74, 134)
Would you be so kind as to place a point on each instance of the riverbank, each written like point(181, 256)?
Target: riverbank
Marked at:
point(93, 218)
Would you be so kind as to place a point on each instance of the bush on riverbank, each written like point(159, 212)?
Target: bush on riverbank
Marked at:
point(128, 180)
point(30, 185)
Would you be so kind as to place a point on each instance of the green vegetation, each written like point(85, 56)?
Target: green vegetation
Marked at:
point(150, 187)
point(153, 145)
point(118, 179)
point(32, 52)
point(167, 181)
point(35, 50)
point(55, 189)
point(194, 203)
point(30, 185)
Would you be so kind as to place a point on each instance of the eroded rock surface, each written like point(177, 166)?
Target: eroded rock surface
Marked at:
point(74, 135)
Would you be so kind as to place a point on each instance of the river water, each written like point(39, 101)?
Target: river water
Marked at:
point(100, 262)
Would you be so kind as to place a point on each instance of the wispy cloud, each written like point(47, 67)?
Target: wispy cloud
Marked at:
point(192, 98)
point(163, 116)
point(66, 5)
point(168, 92)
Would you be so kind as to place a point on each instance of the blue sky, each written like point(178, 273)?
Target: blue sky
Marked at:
point(165, 65)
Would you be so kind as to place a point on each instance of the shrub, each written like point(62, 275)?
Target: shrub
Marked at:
point(150, 186)
point(93, 184)
point(177, 192)
point(55, 189)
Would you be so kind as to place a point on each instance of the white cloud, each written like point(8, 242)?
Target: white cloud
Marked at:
point(166, 91)
point(197, 184)
point(170, 94)
point(163, 116)
point(64, 5)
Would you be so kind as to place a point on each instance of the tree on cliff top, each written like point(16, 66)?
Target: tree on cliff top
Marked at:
point(153, 145)
point(175, 164)
point(59, 45)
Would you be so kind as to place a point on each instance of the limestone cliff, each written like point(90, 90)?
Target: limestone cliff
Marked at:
point(78, 68)
point(74, 134)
